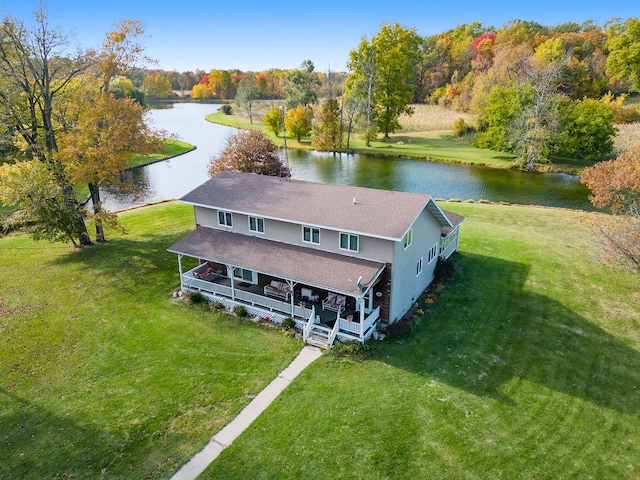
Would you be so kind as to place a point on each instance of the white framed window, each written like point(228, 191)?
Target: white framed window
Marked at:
point(349, 242)
point(225, 219)
point(311, 235)
point(256, 224)
point(433, 253)
point(245, 275)
point(419, 267)
point(407, 238)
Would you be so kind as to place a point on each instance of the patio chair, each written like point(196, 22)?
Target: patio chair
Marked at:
point(334, 302)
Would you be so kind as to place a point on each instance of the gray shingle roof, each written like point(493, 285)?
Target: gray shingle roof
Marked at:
point(304, 265)
point(454, 219)
point(381, 213)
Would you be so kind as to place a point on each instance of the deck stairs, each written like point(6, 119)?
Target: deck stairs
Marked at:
point(319, 337)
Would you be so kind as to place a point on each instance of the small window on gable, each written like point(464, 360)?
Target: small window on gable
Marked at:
point(349, 242)
point(419, 267)
point(311, 235)
point(225, 218)
point(256, 224)
point(433, 253)
point(407, 238)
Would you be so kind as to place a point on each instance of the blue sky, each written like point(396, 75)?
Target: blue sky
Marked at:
point(252, 35)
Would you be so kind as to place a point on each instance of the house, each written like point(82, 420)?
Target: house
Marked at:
point(339, 260)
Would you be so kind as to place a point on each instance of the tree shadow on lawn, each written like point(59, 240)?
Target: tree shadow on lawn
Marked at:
point(35, 442)
point(141, 261)
point(487, 330)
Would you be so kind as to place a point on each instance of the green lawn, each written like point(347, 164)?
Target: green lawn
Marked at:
point(428, 145)
point(171, 148)
point(101, 374)
point(527, 367)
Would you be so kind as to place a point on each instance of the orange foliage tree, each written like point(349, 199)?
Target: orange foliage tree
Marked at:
point(249, 151)
point(616, 186)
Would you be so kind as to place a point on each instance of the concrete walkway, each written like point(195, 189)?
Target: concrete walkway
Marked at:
point(233, 429)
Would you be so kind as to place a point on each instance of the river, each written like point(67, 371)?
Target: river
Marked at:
point(173, 178)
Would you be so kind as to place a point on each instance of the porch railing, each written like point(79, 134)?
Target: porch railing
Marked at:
point(272, 304)
point(309, 325)
point(334, 332)
point(354, 327)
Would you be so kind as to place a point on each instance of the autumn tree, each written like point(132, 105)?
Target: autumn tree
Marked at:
point(37, 68)
point(249, 151)
point(382, 71)
point(396, 51)
point(615, 185)
point(120, 52)
point(156, 86)
point(298, 122)
point(274, 120)
point(537, 123)
point(248, 93)
point(327, 134)
point(623, 61)
point(100, 145)
point(303, 86)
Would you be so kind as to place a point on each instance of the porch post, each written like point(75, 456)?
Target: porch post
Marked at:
point(361, 303)
point(230, 269)
point(291, 285)
point(180, 268)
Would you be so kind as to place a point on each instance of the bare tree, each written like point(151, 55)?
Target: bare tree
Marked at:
point(537, 124)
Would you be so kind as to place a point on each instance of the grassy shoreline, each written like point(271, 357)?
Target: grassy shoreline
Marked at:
point(431, 145)
point(523, 368)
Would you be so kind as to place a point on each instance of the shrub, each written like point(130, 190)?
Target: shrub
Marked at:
point(460, 128)
point(240, 311)
point(226, 109)
point(445, 271)
point(217, 305)
point(352, 348)
point(399, 329)
point(197, 297)
point(288, 323)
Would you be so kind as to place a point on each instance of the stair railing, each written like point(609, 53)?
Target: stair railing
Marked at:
point(307, 328)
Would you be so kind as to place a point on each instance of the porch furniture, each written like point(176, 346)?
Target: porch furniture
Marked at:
point(308, 295)
point(334, 302)
point(278, 289)
point(202, 273)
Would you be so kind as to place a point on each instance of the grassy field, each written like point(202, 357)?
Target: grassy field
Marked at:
point(424, 135)
point(528, 366)
point(101, 374)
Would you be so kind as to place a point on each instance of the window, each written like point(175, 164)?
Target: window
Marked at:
point(225, 219)
point(256, 224)
point(311, 235)
point(433, 252)
point(407, 238)
point(419, 267)
point(244, 274)
point(349, 242)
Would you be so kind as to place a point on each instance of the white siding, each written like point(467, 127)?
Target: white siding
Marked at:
point(206, 217)
point(291, 233)
point(406, 287)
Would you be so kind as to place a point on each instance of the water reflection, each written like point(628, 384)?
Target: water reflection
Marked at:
point(174, 178)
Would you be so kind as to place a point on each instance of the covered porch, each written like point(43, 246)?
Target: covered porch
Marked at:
point(276, 280)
